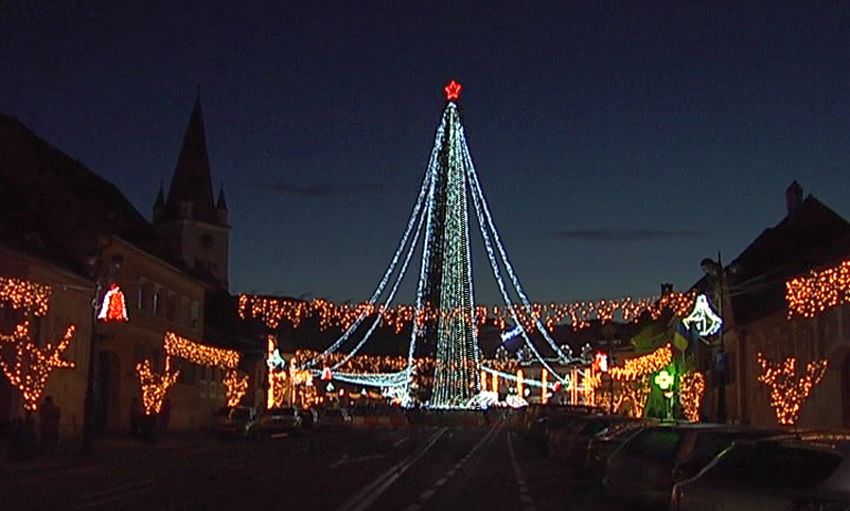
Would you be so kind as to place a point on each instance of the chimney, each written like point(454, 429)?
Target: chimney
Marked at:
point(666, 289)
point(793, 197)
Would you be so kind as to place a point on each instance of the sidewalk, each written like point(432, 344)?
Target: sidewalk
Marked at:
point(104, 449)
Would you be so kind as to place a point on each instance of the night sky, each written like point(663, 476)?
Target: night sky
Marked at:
point(617, 147)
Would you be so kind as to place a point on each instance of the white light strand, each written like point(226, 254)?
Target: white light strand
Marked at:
point(525, 381)
point(390, 297)
point(506, 261)
point(479, 202)
point(385, 279)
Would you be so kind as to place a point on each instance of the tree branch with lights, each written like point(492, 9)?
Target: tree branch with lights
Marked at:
point(787, 391)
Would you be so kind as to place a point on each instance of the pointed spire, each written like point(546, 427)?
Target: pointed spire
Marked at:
point(221, 203)
point(160, 197)
point(191, 192)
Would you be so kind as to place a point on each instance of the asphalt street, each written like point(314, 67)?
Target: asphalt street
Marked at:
point(408, 469)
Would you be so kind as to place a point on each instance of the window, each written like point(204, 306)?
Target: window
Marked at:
point(171, 307)
point(772, 465)
point(157, 305)
point(140, 295)
point(195, 315)
point(184, 311)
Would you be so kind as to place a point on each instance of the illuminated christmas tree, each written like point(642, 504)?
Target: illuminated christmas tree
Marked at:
point(449, 270)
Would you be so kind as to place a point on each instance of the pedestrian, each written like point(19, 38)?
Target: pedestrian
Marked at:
point(49, 415)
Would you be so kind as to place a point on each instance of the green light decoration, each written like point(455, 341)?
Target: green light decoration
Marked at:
point(456, 376)
point(664, 380)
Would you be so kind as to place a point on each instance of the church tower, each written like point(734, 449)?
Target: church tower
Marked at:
point(195, 226)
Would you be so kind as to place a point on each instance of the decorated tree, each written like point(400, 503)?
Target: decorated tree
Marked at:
point(787, 391)
point(25, 364)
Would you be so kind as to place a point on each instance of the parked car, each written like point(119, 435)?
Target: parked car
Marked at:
point(604, 443)
point(276, 422)
point(806, 473)
point(334, 418)
point(642, 471)
point(233, 421)
point(571, 443)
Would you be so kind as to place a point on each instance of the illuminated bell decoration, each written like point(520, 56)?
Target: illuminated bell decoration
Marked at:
point(705, 320)
point(327, 374)
point(330, 387)
point(113, 307)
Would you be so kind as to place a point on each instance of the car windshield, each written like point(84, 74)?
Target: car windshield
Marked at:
point(773, 466)
point(658, 444)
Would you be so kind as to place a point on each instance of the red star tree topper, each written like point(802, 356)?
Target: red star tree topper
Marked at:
point(453, 90)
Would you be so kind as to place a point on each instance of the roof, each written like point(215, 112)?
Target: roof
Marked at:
point(812, 235)
point(192, 181)
point(54, 207)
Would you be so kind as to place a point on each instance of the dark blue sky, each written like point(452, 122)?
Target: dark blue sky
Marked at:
point(617, 147)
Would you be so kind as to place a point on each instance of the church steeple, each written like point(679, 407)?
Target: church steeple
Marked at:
point(159, 205)
point(221, 206)
point(192, 224)
point(190, 195)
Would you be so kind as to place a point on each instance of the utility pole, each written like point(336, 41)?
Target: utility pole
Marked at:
point(100, 276)
point(719, 367)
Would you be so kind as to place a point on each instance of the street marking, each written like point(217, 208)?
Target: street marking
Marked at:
point(400, 441)
point(368, 495)
point(441, 481)
point(99, 498)
point(345, 460)
point(524, 495)
point(426, 494)
point(412, 507)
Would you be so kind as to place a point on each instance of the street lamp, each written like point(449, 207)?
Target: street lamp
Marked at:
point(102, 276)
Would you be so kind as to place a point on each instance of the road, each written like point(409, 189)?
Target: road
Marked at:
point(352, 470)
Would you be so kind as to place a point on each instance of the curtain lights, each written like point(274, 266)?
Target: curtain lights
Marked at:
point(818, 290)
point(691, 391)
point(273, 310)
point(33, 365)
point(155, 385)
point(236, 386)
point(643, 365)
point(200, 354)
point(787, 392)
point(25, 295)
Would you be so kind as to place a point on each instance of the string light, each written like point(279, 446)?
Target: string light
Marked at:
point(275, 375)
point(818, 290)
point(200, 354)
point(25, 295)
point(155, 385)
point(33, 365)
point(643, 365)
point(273, 310)
point(236, 386)
point(787, 392)
point(691, 391)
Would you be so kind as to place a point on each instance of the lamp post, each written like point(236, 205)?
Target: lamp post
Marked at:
point(101, 276)
point(717, 274)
